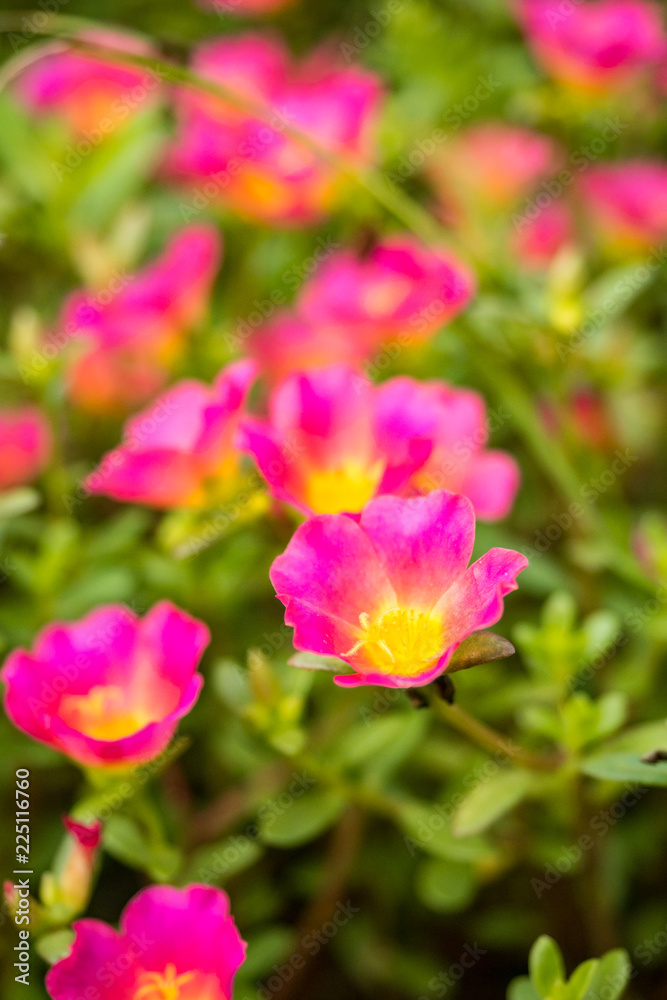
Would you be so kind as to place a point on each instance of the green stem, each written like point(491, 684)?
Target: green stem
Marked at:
point(68, 30)
point(487, 738)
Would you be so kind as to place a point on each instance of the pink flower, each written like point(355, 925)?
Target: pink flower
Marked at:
point(492, 164)
point(131, 332)
point(389, 592)
point(288, 343)
point(400, 288)
point(25, 445)
point(454, 423)
point(92, 94)
point(246, 8)
point(538, 238)
point(179, 944)
point(321, 449)
point(109, 689)
point(253, 166)
point(181, 450)
point(598, 45)
point(627, 202)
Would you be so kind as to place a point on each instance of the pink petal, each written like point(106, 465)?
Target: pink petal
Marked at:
point(190, 928)
point(424, 544)
point(475, 600)
point(96, 949)
point(491, 484)
point(328, 575)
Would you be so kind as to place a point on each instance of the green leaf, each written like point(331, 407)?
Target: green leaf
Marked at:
point(611, 977)
point(311, 661)
point(125, 841)
point(522, 989)
point(480, 647)
point(217, 863)
point(53, 947)
point(491, 800)
point(624, 767)
point(581, 979)
point(22, 500)
point(445, 886)
point(545, 964)
point(428, 829)
point(302, 820)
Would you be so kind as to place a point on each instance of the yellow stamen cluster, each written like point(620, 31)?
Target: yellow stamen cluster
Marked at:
point(162, 986)
point(401, 641)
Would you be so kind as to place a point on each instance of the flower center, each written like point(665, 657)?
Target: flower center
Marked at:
point(401, 641)
point(332, 491)
point(103, 713)
point(161, 986)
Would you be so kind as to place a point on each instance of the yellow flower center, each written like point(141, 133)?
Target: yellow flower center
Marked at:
point(331, 491)
point(401, 641)
point(161, 986)
point(103, 713)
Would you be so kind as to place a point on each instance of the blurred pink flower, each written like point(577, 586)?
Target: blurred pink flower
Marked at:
point(92, 94)
point(454, 423)
point(181, 451)
point(130, 337)
point(598, 45)
point(539, 237)
point(246, 8)
point(175, 944)
point(253, 166)
point(492, 164)
point(389, 592)
point(321, 450)
point(401, 288)
point(109, 689)
point(25, 445)
point(626, 203)
point(288, 344)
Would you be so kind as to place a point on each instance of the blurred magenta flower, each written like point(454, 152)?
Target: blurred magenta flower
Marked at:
point(401, 289)
point(173, 944)
point(253, 166)
point(288, 344)
point(181, 451)
point(131, 333)
point(25, 445)
point(626, 203)
point(93, 95)
point(491, 165)
point(598, 45)
point(539, 236)
point(389, 591)
point(246, 8)
point(109, 689)
point(321, 449)
point(454, 423)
